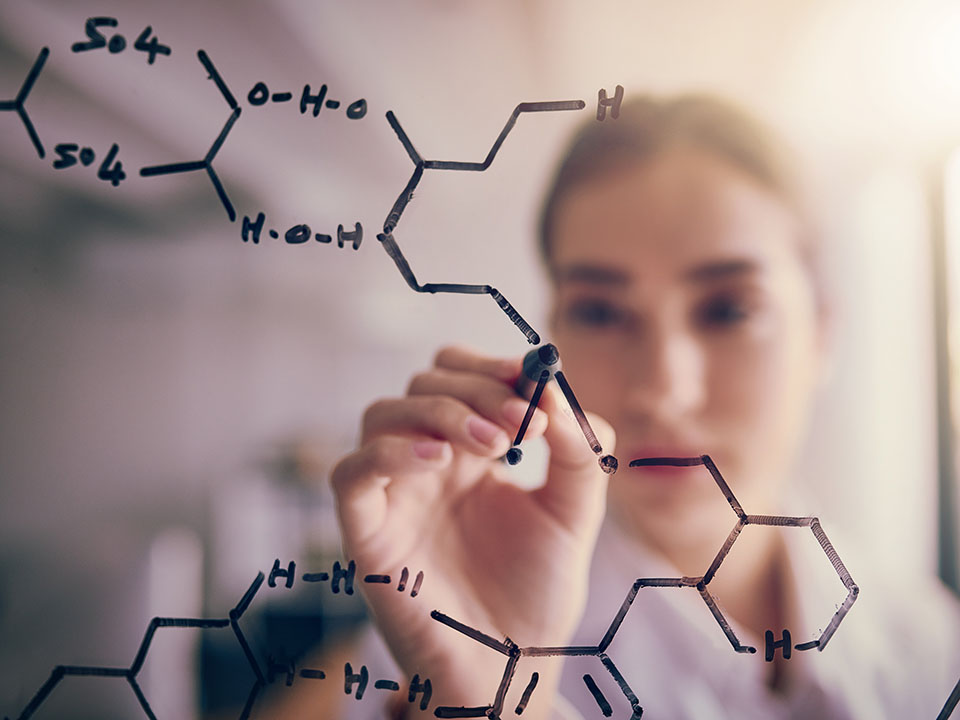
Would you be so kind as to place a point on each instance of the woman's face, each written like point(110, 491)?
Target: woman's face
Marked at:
point(686, 317)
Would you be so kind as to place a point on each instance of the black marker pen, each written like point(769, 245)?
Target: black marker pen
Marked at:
point(540, 366)
point(545, 358)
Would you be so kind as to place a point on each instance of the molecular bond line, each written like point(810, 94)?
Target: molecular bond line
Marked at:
point(386, 238)
point(264, 669)
point(264, 672)
point(514, 652)
point(207, 162)
point(389, 242)
point(343, 577)
point(129, 674)
point(950, 705)
point(17, 104)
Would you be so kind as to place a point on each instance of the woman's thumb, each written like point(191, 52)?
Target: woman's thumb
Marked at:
point(576, 485)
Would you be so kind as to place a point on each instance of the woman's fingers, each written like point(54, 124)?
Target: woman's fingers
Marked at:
point(438, 416)
point(460, 358)
point(575, 488)
point(471, 410)
point(492, 398)
point(360, 479)
point(466, 404)
point(506, 371)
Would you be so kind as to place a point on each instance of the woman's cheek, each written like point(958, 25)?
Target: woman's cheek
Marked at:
point(763, 391)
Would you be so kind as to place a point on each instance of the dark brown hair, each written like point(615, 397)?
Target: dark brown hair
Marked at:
point(648, 126)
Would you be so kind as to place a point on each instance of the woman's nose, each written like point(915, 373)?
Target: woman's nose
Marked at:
point(667, 380)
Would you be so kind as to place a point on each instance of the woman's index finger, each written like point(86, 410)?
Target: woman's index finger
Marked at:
point(460, 358)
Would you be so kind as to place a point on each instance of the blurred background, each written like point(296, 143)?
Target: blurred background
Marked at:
point(172, 398)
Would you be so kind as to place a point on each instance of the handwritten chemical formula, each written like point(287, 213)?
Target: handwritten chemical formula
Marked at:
point(266, 670)
point(310, 100)
point(343, 578)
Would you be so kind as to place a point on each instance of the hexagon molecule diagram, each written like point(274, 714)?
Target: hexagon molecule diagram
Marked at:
point(131, 673)
point(514, 653)
point(702, 582)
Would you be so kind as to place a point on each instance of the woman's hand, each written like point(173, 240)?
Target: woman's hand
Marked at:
point(425, 490)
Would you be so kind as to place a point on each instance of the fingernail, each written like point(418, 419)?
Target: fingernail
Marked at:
point(484, 431)
point(514, 409)
point(429, 449)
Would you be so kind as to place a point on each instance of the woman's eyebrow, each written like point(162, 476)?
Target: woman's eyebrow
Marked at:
point(721, 269)
point(592, 274)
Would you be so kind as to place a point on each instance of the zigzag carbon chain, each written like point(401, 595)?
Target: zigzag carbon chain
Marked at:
point(508, 648)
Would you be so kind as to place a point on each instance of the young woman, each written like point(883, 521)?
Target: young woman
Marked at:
point(690, 318)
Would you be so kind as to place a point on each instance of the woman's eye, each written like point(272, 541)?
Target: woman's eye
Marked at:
point(722, 312)
point(595, 314)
